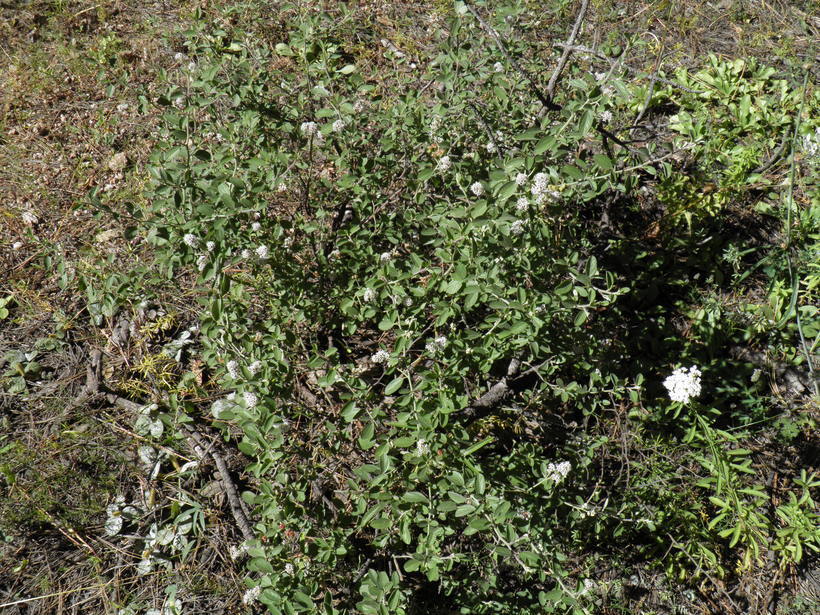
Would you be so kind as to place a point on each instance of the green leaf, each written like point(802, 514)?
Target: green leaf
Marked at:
point(366, 439)
point(547, 143)
point(414, 497)
point(350, 411)
point(394, 385)
point(347, 69)
point(507, 190)
point(603, 161)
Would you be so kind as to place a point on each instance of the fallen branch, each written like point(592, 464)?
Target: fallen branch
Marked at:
point(94, 386)
point(493, 397)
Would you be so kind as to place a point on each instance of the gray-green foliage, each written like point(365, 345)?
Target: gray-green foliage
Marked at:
point(371, 261)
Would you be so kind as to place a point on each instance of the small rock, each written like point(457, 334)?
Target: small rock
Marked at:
point(118, 162)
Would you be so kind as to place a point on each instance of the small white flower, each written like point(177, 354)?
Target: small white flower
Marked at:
point(17, 245)
point(288, 568)
point(254, 367)
point(608, 90)
point(683, 384)
point(251, 595)
point(210, 245)
point(522, 204)
point(422, 448)
point(385, 256)
point(190, 239)
point(250, 399)
point(444, 163)
point(606, 116)
point(179, 102)
point(236, 552)
point(233, 369)
point(310, 128)
point(282, 187)
point(498, 67)
point(369, 295)
point(262, 252)
point(521, 179)
point(380, 357)
point(811, 143)
point(477, 189)
point(338, 125)
point(491, 147)
point(558, 472)
point(29, 217)
point(600, 77)
point(179, 56)
point(359, 106)
point(191, 67)
point(201, 262)
point(436, 344)
point(245, 254)
point(256, 226)
point(517, 227)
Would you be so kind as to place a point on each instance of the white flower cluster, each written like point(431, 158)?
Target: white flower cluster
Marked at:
point(254, 367)
point(477, 189)
point(444, 164)
point(520, 179)
point(683, 384)
point(433, 129)
point(380, 356)
point(385, 256)
point(606, 116)
point(811, 143)
point(210, 245)
point(233, 369)
point(262, 252)
point(237, 552)
point(540, 188)
point(557, 472)
point(517, 227)
point(368, 295)
point(434, 345)
point(338, 125)
point(252, 595)
point(251, 400)
point(522, 204)
point(190, 240)
point(310, 129)
point(422, 448)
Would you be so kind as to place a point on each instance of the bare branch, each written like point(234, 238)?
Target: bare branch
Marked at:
point(545, 100)
point(562, 62)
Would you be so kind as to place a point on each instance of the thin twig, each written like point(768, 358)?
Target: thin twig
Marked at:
point(612, 62)
point(545, 100)
point(562, 62)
